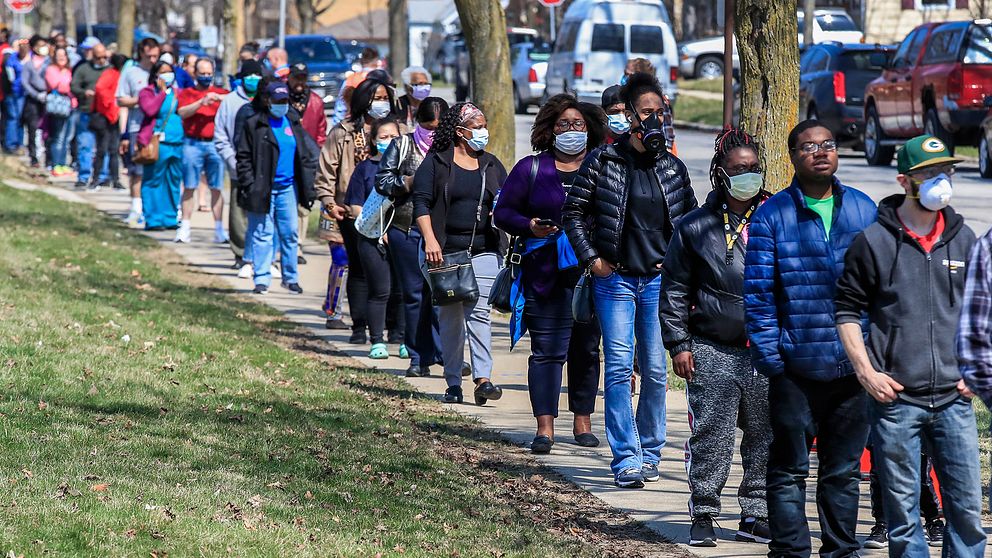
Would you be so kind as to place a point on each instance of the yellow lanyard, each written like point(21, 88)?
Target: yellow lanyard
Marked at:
point(733, 236)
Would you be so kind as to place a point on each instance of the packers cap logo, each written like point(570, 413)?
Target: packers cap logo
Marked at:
point(933, 145)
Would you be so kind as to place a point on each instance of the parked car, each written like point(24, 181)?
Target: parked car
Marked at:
point(985, 142)
point(832, 80)
point(517, 35)
point(598, 37)
point(528, 66)
point(831, 24)
point(935, 84)
point(703, 58)
point(352, 50)
point(325, 62)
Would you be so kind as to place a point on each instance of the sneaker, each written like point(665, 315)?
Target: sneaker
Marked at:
point(702, 533)
point(753, 529)
point(650, 472)
point(629, 478)
point(80, 185)
point(260, 289)
point(274, 270)
point(119, 186)
point(184, 234)
point(453, 395)
point(300, 260)
point(134, 219)
point(293, 287)
point(220, 237)
point(335, 323)
point(935, 532)
point(246, 271)
point(878, 537)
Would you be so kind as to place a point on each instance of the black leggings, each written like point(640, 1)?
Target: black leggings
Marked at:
point(107, 140)
point(31, 119)
point(357, 288)
point(375, 265)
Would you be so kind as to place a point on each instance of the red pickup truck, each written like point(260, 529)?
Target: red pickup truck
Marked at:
point(936, 84)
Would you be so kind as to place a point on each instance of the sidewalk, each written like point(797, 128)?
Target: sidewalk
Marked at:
point(662, 506)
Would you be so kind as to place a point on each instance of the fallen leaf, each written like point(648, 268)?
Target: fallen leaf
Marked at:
point(27, 473)
point(102, 487)
point(42, 405)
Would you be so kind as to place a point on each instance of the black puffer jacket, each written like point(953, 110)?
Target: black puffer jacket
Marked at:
point(701, 295)
point(600, 194)
point(257, 155)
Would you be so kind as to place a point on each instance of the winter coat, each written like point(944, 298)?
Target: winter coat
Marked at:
point(913, 300)
point(395, 179)
point(790, 278)
point(33, 78)
point(258, 152)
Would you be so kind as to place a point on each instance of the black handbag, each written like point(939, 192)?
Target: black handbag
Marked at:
point(453, 281)
point(499, 296)
point(582, 302)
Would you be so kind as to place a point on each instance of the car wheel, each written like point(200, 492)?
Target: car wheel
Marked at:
point(933, 127)
point(518, 104)
point(984, 157)
point(710, 67)
point(876, 154)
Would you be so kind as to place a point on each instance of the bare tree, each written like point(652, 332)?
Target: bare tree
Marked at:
point(484, 24)
point(766, 47)
point(46, 16)
point(234, 33)
point(69, 16)
point(125, 27)
point(310, 11)
point(399, 37)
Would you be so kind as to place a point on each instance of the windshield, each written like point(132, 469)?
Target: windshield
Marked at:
point(539, 53)
point(318, 50)
point(863, 60)
point(836, 22)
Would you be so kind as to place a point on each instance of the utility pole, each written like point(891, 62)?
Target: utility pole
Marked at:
point(282, 23)
point(728, 63)
point(809, 9)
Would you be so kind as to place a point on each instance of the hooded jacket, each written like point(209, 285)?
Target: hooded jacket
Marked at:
point(258, 152)
point(913, 300)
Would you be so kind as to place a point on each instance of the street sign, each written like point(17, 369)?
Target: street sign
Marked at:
point(208, 36)
point(552, 3)
point(20, 6)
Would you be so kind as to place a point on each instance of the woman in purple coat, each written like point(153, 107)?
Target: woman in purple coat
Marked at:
point(529, 207)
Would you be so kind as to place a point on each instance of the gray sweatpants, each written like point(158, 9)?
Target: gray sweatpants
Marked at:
point(452, 322)
point(726, 393)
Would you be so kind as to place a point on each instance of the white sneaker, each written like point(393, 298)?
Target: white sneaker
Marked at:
point(134, 219)
point(220, 237)
point(276, 274)
point(246, 272)
point(184, 233)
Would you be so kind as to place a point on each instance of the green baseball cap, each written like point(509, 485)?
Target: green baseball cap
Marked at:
point(922, 152)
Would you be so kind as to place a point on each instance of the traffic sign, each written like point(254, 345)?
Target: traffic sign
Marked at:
point(20, 6)
point(552, 3)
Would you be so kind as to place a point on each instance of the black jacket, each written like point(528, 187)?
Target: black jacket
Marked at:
point(430, 189)
point(600, 192)
point(913, 300)
point(701, 295)
point(258, 153)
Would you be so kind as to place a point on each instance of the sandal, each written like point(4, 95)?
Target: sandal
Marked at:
point(404, 352)
point(379, 351)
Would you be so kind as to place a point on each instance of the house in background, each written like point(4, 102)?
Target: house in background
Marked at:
point(889, 21)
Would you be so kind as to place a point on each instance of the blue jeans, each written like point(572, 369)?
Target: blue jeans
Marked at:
point(201, 156)
point(421, 326)
point(282, 217)
point(58, 133)
point(13, 136)
point(85, 148)
point(949, 435)
point(627, 307)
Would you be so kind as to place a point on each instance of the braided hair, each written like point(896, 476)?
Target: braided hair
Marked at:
point(444, 135)
point(727, 141)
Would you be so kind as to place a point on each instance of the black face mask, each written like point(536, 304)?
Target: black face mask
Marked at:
point(651, 133)
point(299, 97)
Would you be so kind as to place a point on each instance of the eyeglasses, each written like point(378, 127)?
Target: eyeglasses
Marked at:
point(742, 169)
point(566, 125)
point(810, 147)
point(930, 172)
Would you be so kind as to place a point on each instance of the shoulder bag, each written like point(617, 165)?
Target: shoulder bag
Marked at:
point(57, 104)
point(583, 310)
point(454, 280)
point(370, 223)
point(148, 154)
point(499, 296)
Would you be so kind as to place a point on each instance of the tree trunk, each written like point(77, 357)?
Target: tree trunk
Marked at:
point(69, 16)
point(484, 24)
point(250, 29)
point(125, 27)
point(399, 38)
point(234, 33)
point(305, 9)
point(769, 59)
point(46, 16)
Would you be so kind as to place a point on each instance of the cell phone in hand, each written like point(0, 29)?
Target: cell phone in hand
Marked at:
point(546, 223)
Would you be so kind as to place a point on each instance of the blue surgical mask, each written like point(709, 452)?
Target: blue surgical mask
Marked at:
point(382, 145)
point(421, 92)
point(204, 81)
point(571, 142)
point(623, 80)
point(618, 123)
point(379, 109)
point(278, 111)
point(168, 78)
point(251, 83)
point(479, 139)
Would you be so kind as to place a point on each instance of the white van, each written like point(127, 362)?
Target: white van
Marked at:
point(598, 37)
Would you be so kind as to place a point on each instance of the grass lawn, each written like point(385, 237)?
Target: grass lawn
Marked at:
point(709, 85)
point(146, 412)
point(700, 111)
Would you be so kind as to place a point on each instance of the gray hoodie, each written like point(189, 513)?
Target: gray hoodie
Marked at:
point(33, 78)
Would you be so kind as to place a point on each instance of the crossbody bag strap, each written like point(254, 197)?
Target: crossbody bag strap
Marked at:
point(478, 209)
point(512, 257)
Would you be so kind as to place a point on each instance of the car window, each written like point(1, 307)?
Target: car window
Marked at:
point(566, 39)
point(860, 60)
point(944, 45)
point(607, 37)
point(647, 39)
point(314, 51)
point(978, 48)
point(539, 52)
point(818, 61)
point(802, 21)
point(914, 49)
point(836, 22)
point(804, 60)
point(900, 58)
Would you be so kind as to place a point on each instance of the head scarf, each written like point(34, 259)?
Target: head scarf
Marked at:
point(468, 112)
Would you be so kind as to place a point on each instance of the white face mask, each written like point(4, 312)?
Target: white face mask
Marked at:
point(572, 142)
point(936, 192)
point(479, 139)
point(43, 51)
point(744, 187)
point(379, 109)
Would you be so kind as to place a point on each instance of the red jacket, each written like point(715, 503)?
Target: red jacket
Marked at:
point(104, 95)
point(313, 120)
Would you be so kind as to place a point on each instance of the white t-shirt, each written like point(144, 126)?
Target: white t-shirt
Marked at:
point(133, 79)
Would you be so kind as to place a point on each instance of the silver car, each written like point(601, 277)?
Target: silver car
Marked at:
point(703, 58)
point(528, 66)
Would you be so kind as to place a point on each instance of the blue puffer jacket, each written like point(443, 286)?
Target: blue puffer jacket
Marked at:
point(790, 277)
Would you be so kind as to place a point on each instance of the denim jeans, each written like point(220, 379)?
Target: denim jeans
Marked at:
point(58, 137)
point(949, 434)
point(421, 334)
point(86, 147)
point(627, 307)
point(200, 156)
point(281, 217)
point(13, 136)
point(835, 413)
point(454, 319)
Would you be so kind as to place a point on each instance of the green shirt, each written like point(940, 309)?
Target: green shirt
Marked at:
point(825, 209)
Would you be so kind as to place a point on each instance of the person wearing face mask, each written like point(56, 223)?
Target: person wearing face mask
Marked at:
point(620, 216)
point(644, 66)
point(347, 146)
point(134, 78)
point(529, 207)
point(161, 189)
point(276, 164)
point(907, 273)
point(417, 83)
point(616, 116)
point(453, 192)
point(198, 108)
point(702, 324)
point(35, 91)
point(83, 88)
point(226, 142)
point(58, 76)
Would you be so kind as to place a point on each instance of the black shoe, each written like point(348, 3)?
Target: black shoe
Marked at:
point(413, 372)
point(753, 529)
point(358, 338)
point(80, 185)
point(541, 444)
point(238, 263)
point(425, 371)
point(587, 440)
point(293, 287)
point(395, 338)
point(119, 186)
point(702, 533)
point(300, 260)
point(878, 537)
point(260, 289)
point(935, 532)
point(487, 391)
point(335, 323)
point(453, 395)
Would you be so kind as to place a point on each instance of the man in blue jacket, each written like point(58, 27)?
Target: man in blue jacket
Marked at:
point(795, 255)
